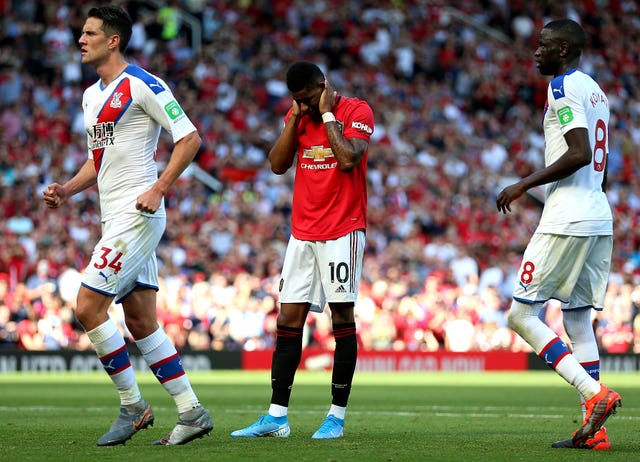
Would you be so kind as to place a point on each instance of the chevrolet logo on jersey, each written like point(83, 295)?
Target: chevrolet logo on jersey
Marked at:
point(318, 153)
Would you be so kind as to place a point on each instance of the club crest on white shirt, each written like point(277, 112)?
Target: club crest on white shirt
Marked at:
point(115, 100)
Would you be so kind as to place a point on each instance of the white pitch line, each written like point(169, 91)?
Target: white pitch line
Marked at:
point(437, 411)
point(485, 416)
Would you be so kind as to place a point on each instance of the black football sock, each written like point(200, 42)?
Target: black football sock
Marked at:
point(344, 362)
point(286, 358)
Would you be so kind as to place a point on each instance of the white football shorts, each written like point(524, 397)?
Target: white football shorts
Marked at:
point(571, 269)
point(317, 272)
point(125, 256)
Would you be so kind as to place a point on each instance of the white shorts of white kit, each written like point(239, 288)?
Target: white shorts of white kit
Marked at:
point(571, 269)
point(125, 257)
point(318, 272)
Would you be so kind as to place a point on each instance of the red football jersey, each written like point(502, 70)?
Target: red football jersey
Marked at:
point(327, 202)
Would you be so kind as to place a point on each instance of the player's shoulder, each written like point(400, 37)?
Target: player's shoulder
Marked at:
point(352, 102)
point(354, 105)
point(145, 78)
point(95, 86)
point(573, 82)
point(92, 91)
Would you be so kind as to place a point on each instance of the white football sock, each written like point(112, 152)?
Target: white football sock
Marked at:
point(162, 357)
point(278, 411)
point(524, 320)
point(113, 354)
point(338, 411)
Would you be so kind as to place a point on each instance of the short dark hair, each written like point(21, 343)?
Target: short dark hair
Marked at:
point(303, 75)
point(571, 32)
point(115, 21)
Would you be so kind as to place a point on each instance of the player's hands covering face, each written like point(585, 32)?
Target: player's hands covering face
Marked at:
point(327, 98)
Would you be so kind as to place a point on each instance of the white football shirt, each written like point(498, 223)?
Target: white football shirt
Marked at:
point(123, 122)
point(576, 205)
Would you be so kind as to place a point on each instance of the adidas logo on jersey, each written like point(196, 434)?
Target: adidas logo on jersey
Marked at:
point(341, 290)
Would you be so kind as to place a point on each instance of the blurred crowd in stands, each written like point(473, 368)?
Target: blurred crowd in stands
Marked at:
point(458, 107)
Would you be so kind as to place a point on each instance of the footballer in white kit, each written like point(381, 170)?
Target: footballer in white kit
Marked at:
point(569, 256)
point(574, 206)
point(133, 107)
point(124, 113)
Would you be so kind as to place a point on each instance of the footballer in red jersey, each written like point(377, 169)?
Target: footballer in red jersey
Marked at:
point(326, 136)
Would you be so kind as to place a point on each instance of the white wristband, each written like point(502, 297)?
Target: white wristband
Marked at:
point(328, 117)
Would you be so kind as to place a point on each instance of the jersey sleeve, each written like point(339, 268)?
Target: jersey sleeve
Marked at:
point(566, 100)
point(162, 107)
point(359, 123)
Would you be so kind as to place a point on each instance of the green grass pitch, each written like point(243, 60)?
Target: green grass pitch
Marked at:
point(391, 417)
